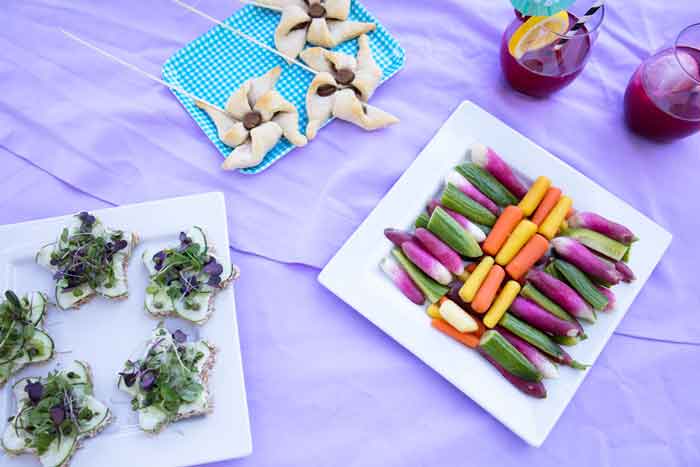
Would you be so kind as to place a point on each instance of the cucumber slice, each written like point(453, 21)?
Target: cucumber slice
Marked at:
point(197, 407)
point(120, 287)
point(5, 372)
point(152, 419)
point(38, 303)
point(18, 389)
point(100, 418)
point(197, 235)
point(147, 258)
point(60, 451)
point(161, 297)
point(78, 373)
point(204, 302)
point(43, 346)
point(70, 299)
point(13, 442)
point(43, 257)
point(598, 242)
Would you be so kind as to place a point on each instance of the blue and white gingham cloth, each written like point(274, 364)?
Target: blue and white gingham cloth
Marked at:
point(216, 64)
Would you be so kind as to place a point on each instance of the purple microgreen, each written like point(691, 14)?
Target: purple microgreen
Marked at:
point(35, 391)
point(214, 281)
point(179, 336)
point(58, 415)
point(129, 378)
point(213, 268)
point(148, 380)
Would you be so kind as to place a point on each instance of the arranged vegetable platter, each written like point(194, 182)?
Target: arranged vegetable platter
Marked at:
point(377, 297)
point(110, 336)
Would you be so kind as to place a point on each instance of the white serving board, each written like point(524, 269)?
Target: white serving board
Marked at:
point(354, 275)
point(106, 333)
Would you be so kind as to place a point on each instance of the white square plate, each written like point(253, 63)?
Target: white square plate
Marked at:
point(354, 275)
point(106, 333)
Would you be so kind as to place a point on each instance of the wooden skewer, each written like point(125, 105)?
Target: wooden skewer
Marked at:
point(137, 69)
point(261, 5)
point(245, 36)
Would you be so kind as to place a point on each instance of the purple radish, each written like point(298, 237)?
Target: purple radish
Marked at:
point(393, 269)
point(426, 262)
point(562, 294)
point(453, 295)
point(398, 237)
point(446, 255)
point(487, 159)
point(543, 320)
point(609, 295)
point(466, 187)
point(600, 224)
point(543, 364)
point(625, 271)
point(577, 254)
point(531, 388)
point(468, 225)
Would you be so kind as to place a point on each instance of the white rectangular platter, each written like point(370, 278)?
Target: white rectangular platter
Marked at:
point(354, 275)
point(106, 333)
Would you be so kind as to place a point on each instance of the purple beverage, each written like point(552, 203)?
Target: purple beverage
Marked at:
point(662, 101)
point(549, 63)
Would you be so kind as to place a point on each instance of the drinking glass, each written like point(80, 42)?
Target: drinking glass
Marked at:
point(662, 101)
point(540, 72)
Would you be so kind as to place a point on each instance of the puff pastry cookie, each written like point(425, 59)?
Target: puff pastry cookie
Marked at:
point(343, 87)
point(256, 118)
point(318, 22)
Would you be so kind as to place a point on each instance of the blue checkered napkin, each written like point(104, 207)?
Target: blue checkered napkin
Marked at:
point(219, 62)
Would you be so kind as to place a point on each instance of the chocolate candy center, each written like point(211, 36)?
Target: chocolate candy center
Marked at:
point(252, 119)
point(326, 90)
point(317, 11)
point(344, 76)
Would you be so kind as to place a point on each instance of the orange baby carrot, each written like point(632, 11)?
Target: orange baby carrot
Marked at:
point(505, 224)
point(546, 205)
point(471, 267)
point(526, 258)
point(487, 292)
point(468, 339)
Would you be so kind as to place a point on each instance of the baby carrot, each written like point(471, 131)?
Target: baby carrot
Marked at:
point(550, 226)
point(474, 281)
point(471, 267)
point(434, 311)
point(535, 195)
point(505, 224)
point(527, 257)
point(487, 292)
point(468, 339)
point(503, 301)
point(520, 236)
point(550, 199)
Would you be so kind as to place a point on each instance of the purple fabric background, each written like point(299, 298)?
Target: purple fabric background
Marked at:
point(326, 387)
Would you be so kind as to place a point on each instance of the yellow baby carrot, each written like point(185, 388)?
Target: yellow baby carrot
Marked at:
point(534, 196)
point(520, 236)
point(552, 222)
point(434, 311)
point(474, 281)
point(502, 303)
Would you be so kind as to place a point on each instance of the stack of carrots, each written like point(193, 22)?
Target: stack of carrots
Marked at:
point(482, 305)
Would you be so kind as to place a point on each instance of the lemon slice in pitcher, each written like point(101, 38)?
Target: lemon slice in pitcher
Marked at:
point(538, 32)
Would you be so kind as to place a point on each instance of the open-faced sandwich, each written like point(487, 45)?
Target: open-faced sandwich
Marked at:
point(88, 259)
point(54, 414)
point(169, 382)
point(22, 338)
point(186, 278)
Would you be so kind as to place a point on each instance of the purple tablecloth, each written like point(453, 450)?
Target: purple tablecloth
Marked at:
point(326, 387)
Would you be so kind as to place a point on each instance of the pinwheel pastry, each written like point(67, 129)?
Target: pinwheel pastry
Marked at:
point(169, 381)
point(318, 22)
point(23, 340)
point(186, 278)
point(88, 259)
point(54, 415)
point(255, 119)
point(343, 87)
